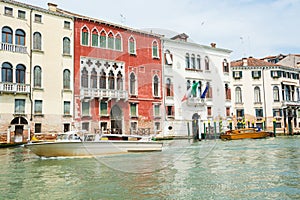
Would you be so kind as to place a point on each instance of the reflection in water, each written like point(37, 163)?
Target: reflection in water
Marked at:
point(245, 169)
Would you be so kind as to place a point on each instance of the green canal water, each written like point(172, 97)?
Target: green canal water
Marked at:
point(212, 169)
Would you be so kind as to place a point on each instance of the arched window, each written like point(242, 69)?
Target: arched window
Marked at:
point(95, 38)
point(188, 84)
point(132, 84)
point(199, 88)
point(66, 46)
point(198, 62)
point(66, 79)
point(111, 80)
point(103, 39)
point(154, 49)
point(187, 61)
point(119, 81)
point(132, 47)
point(156, 86)
point(206, 63)
point(85, 36)
point(276, 94)
point(6, 72)
point(84, 78)
point(168, 87)
point(94, 78)
point(37, 76)
point(37, 41)
point(7, 35)
point(193, 62)
point(118, 42)
point(20, 74)
point(257, 97)
point(238, 95)
point(102, 80)
point(110, 41)
point(225, 66)
point(20, 37)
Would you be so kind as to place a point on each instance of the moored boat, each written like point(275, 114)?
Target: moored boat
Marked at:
point(245, 133)
point(76, 144)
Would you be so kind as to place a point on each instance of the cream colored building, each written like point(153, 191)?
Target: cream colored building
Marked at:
point(265, 93)
point(36, 60)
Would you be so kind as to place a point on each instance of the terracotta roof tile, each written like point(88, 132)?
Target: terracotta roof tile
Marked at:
point(251, 62)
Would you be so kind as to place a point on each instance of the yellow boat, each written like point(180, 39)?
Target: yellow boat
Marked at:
point(245, 133)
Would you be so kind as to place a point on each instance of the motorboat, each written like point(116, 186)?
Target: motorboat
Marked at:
point(78, 144)
point(244, 133)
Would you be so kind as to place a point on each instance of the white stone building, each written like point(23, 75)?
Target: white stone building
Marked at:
point(186, 64)
point(36, 60)
point(265, 93)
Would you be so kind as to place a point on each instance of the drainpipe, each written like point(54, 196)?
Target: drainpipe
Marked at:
point(30, 65)
point(265, 104)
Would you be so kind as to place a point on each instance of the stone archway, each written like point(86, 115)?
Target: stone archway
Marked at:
point(18, 124)
point(116, 120)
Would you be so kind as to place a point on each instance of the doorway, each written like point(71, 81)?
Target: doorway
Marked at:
point(116, 120)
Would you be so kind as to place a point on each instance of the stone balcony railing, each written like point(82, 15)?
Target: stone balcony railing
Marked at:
point(291, 103)
point(103, 93)
point(195, 101)
point(13, 48)
point(16, 88)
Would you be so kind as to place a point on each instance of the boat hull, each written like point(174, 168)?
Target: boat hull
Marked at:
point(82, 149)
point(243, 134)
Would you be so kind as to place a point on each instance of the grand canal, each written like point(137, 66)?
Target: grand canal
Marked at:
point(212, 169)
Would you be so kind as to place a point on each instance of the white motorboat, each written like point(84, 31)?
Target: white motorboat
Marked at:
point(74, 143)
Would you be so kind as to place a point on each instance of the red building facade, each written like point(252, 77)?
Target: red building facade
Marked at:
point(117, 78)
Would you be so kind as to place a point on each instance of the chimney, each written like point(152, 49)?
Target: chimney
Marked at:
point(213, 45)
point(52, 7)
point(245, 62)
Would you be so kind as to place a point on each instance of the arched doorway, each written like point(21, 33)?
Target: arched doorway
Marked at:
point(18, 124)
point(195, 125)
point(116, 117)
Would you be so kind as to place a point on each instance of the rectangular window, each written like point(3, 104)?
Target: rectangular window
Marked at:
point(133, 109)
point(208, 111)
point(94, 40)
point(157, 126)
point(154, 51)
point(227, 111)
point(21, 14)
point(256, 74)
point(67, 25)
point(170, 111)
point(133, 127)
point(110, 42)
point(259, 112)
point(19, 106)
point(237, 74)
point(103, 41)
point(67, 108)
point(85, 126)
point(240, 112)
point(38, 18)
point(103, 108)
point(156, 110)
point(8, 11)
point(37, 128)
point(38, 107)
point(85, 108)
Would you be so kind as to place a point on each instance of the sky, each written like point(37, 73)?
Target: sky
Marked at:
point(257, 28)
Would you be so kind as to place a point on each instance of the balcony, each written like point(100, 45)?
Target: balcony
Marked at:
point(15, 88)
point(195, 101)
point(13, 48)
point(291, 103)
point(91, 93)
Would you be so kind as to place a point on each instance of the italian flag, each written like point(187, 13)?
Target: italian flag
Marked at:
point(191, 91)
